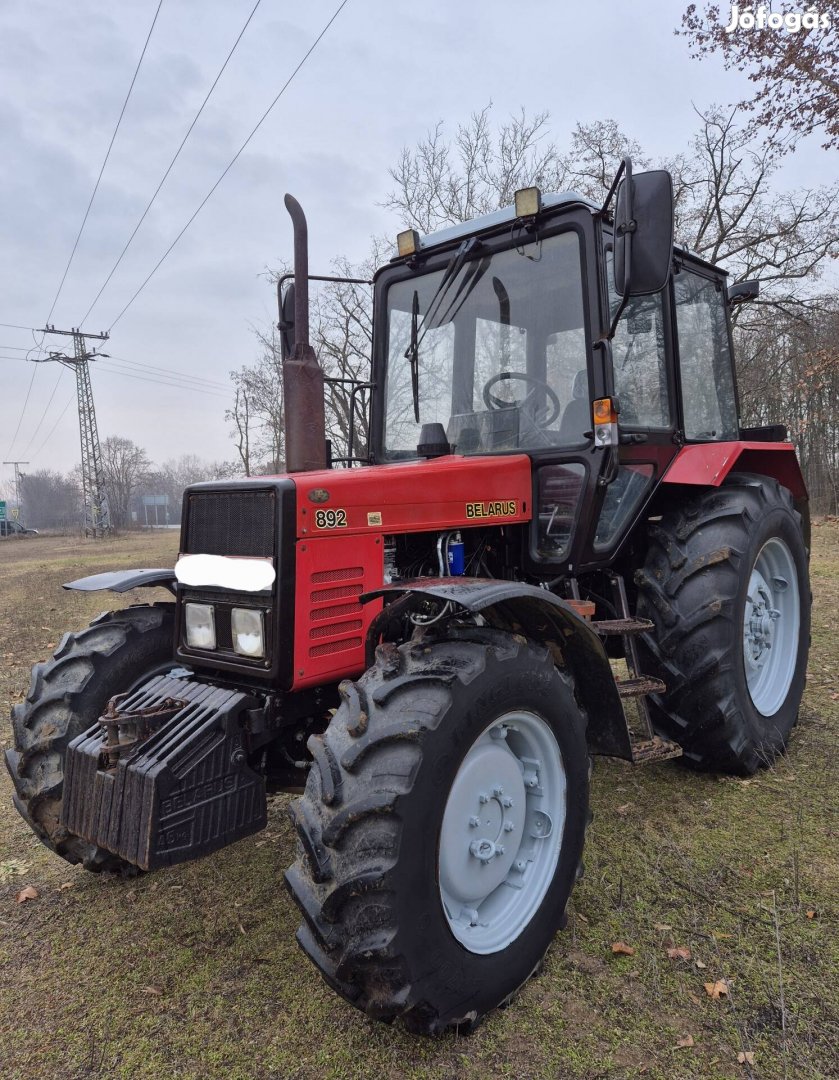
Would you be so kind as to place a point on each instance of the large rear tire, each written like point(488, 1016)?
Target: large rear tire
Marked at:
point(442, 828)
point(119, 650)
point(726, 584)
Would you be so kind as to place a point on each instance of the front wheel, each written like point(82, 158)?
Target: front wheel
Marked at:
point(442, 828)
point(118, 652)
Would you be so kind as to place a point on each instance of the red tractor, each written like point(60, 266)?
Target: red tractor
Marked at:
point(559, 514)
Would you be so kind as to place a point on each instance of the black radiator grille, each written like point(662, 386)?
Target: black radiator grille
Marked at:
point(231, 523)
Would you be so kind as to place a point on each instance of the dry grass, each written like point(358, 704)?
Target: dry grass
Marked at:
point(194, 972)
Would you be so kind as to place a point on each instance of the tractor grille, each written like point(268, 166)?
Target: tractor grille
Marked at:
point(231, 523)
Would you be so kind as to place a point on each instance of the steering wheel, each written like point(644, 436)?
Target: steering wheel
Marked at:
point(552, 407)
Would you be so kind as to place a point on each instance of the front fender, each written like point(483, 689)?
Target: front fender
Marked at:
point(540, 615)
point(120, 581)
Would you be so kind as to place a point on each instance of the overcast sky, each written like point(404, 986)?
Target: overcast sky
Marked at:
point(381, 77)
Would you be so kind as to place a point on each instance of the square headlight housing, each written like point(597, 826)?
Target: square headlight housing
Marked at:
point(247, 627)
point(200, 623)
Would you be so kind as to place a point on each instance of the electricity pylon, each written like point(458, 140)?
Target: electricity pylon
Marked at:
point(97, 516)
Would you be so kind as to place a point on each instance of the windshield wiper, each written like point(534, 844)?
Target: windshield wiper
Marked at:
point(412, 353)
point(420, 327)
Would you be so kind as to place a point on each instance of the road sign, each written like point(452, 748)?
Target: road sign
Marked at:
point(2, 511)
point(15, 513)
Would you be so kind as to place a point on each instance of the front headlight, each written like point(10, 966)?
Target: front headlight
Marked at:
point(248, 629)
point(200, 626)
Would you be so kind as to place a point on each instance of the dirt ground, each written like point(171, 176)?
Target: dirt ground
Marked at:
point(194, 972)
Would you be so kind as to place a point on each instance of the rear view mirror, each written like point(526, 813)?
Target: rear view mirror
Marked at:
point(743, 291)
point(286, 325)
point(643, 241)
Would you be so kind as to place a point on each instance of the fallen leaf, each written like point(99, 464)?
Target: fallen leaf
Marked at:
point(661, 926)
point(681, 952)
point(685, 1041)
point(50, 644)
point(155, 990)
point(700, 964)
point(811, 913)
point(746, 1057)
point(694, 998)
point(28, 892)
point(720, 936)
point(66, 885)
point(624, 810)
point(717, 989)
point(622, 949)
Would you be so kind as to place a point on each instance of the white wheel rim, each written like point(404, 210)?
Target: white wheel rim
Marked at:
point(502, 832)
point(771, 627)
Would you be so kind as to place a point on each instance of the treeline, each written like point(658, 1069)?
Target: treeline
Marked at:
point(140, 493)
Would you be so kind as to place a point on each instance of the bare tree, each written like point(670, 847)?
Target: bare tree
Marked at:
point(729, 211)
point(240, 417)
point(257, 414)
point(794, 66)
point(125, 465)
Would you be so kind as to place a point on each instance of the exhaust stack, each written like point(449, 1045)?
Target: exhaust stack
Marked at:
point(303, 388)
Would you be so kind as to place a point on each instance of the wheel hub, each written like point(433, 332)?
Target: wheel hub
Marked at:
point(484, 822)
point(494, 860)
point(771, 620)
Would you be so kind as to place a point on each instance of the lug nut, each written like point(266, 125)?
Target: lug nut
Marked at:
point(508, 826)
point(474, 822)
point(483, 798)
point(506, 802)
point(498, 790)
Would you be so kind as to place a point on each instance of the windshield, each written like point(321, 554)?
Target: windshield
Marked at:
point(494, 349)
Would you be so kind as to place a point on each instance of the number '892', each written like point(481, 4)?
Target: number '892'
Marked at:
point(331, 519)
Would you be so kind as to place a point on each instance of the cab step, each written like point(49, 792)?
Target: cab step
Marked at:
point(621, 627)
point(646, 751)
point(639, 685)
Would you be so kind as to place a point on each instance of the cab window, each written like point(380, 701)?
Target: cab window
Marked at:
point(705, 364)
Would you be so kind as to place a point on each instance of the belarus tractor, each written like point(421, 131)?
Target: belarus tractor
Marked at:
point(559, 542)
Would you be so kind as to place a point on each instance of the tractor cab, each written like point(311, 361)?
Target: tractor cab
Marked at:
point(514, 333)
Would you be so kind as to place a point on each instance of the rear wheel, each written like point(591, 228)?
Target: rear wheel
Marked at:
point(726, 584)
point(118, 651)
point(442, 829)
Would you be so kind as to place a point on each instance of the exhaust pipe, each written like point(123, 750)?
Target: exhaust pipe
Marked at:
point(303, 388)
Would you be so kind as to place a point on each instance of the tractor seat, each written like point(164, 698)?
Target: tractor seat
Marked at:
point(576, 419)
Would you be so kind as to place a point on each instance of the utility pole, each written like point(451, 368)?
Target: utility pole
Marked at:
point(97, 517)
point(17, 465)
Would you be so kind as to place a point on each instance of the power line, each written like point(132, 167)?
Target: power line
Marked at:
point(176, 372)
point(17, 348)
point(70, 401)
point(232, 162)
point(160, 382)
point(17, 326)
point(170, 166)
point(23, 410)
point(44, 413)
point(81, 230)
point(105, 161)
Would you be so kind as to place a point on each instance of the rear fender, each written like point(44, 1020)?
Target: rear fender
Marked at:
point(120, 581)
point(525, 609)
point(708, 464)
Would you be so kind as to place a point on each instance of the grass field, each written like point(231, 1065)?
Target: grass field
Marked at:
point(194, 972)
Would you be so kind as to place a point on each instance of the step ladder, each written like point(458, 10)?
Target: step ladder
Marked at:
point(637, 686)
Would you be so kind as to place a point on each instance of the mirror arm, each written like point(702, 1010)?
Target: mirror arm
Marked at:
point(621, 308)
point(624, 167)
